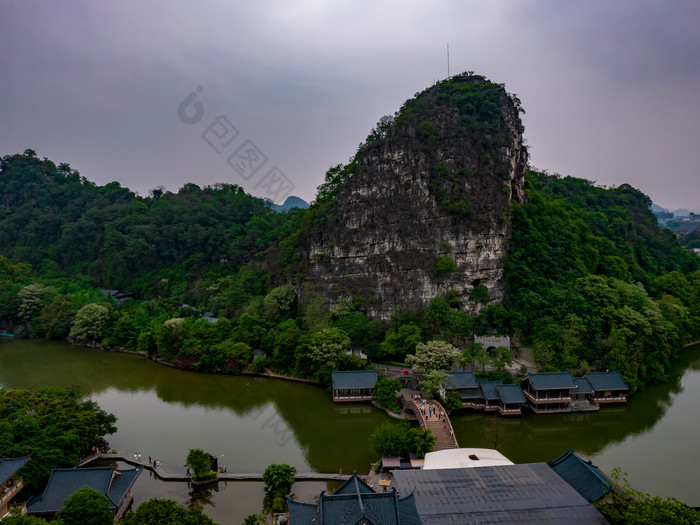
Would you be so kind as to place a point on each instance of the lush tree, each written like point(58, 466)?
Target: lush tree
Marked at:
point(56, 317)
point(470, 353)
point(385, 391)
point(258, 365)
point(325, 349)
point(200, 463)
point(32, 299)
point(630, 506)
point(444, 265)
point(281, 299)
point(452, 401)
point(279, 478)
point(421, 441)
point(362, 331)
point(435, 355)
point(165, 512)
point(481, 356)
point(90, 322)
point(400, 341)
point(86, 506)
point(479, 293)
point(400, 439)
point(433, 382)
point(501, 357)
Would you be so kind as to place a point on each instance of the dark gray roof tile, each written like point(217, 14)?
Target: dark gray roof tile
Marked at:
point(354, 379)
point(582, 475)
point(552, 380)
point(510, 393)
point(531, 493)
point(9, 466)
point(460, 380)
point(601, 381)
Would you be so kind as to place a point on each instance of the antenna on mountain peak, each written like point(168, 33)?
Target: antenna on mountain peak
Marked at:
point(448, 60)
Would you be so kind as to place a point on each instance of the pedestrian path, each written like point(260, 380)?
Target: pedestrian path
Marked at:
point(223, 476)
point(432, 416)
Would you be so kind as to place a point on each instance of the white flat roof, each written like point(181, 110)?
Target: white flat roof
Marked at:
point(465, 458)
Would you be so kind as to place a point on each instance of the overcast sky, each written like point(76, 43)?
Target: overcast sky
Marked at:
point(610, 88)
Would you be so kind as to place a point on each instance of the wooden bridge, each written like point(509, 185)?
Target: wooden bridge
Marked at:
point(222, 476)
point(440, 428)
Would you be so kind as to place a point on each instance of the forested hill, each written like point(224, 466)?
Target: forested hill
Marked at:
point(593, 280)
point(65, 225)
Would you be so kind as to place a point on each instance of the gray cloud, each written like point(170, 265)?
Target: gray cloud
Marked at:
point(609, 88)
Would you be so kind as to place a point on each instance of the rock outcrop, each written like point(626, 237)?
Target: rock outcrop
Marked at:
point(424, 208)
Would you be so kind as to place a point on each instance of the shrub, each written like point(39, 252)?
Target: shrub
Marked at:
point(385, 391)
point(479, 294)
point(278, 479)
point(445, 265)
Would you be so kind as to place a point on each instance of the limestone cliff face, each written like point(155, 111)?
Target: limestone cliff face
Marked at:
point(429, 190)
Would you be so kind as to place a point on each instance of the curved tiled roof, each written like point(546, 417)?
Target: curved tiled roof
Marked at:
point(63, 483)
point(354, 379)
point(606, 381)
point(9, 466)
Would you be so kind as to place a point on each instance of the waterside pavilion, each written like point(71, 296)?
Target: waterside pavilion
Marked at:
point(608, 387)
point(354, 385)
point(549, 392)
point(511, 400)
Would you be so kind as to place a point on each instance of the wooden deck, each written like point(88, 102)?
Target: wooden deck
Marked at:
point(442, 430)
point(226, 476)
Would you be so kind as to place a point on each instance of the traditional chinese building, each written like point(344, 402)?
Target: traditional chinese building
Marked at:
point(582, 475)
point(113, 483)
point(511, 400)
point(354, 385)
point(489, 391)
point(468, 388)
point(582, 397)
point(608, 387)
point(10, 483)
point(356, 503)
point(501, 494)
point(549, 392)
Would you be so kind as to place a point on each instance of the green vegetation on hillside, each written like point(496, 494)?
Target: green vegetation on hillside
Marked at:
point(592, 280)
point(161, 245)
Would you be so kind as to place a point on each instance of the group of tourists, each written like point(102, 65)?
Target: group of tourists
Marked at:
point(431, 411)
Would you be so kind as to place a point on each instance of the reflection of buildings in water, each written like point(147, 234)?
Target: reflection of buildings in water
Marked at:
point(353, 410)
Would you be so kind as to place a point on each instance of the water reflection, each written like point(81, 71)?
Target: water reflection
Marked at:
point(163, 411)
point(254, 422)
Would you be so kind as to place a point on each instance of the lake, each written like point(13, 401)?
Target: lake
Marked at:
point(251, 422)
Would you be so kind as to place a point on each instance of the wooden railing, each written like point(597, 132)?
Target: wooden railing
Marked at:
point(562, 399)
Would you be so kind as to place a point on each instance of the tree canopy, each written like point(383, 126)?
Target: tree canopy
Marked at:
point(165, 512)
point(54, 425)
point(86, 506)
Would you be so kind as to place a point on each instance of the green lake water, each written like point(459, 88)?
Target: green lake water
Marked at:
point(251, 422)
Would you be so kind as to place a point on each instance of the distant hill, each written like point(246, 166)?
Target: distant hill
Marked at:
point(680, 212)
point(292, 202)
